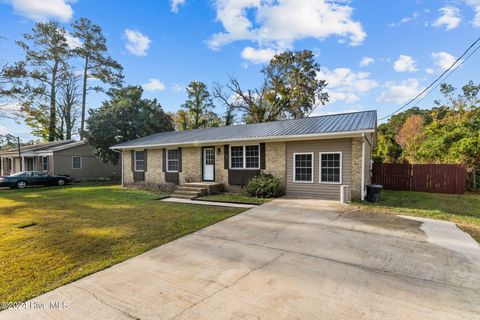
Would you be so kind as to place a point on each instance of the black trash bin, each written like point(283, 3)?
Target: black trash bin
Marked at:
point(373, 192)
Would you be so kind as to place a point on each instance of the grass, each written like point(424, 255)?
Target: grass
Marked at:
point(52, 236)
point(464, 210)
point(235, 198)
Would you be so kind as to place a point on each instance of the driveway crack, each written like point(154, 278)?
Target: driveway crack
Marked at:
point(108, 305)
point(230, 285)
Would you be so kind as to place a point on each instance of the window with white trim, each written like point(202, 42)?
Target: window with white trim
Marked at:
point(252, 157)
point(44, 164)
point(140, 161)
point(245, 157)
point(76, 162)
point(9, 164)
point(303, 167)
point(331, 167)
point(173, 160)
point(236, 157)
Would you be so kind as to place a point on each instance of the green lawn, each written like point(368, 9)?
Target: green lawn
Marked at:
point(52, 236)
point(464, 210)
point(235, 198)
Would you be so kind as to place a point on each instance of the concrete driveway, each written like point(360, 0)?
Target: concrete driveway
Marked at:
point(288, 259)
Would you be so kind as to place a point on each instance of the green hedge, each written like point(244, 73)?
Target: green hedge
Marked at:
point(264, 186)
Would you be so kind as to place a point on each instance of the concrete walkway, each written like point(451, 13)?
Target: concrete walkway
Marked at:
point(287, 259)
point(209, 203)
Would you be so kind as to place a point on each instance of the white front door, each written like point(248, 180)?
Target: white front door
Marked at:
point(208, 164)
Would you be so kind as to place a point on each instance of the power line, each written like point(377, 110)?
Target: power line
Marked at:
point(448, 75)
point(437, 79)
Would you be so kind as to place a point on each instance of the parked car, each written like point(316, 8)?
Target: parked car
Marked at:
point(21, 180)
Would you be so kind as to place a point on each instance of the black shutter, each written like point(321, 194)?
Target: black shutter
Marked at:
point(133, 160)
point(145, 160)
point(262, 156)
point(179, 159)
point(225, 156)
point(164, 159)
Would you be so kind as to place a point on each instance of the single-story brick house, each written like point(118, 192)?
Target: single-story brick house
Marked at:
point(66, 157)
point(314, 157)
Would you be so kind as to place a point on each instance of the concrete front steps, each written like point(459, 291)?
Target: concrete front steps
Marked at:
point(195, 190)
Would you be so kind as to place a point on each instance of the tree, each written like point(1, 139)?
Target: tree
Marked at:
point(387, 149)
point(10, 83)
point(124, 117)
point(455, 136)
point(410, 136)
point(293, 84)
point(197, 111)
point(198, 103)
point(68, 102)
point(46, 52)
point(290, 89)
point(181, 120)
point(96, 63)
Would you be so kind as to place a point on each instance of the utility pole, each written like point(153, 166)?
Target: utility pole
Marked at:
point(19, 154)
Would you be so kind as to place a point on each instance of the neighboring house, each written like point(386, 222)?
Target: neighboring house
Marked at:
point(313, 156)
point(72, 158)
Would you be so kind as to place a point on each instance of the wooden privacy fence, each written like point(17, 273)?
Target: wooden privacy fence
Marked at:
point(434, 178)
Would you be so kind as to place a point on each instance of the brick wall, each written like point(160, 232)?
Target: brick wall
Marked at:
point(275, 159)
point(356, 168)
point(191, 165)
point(154, 174)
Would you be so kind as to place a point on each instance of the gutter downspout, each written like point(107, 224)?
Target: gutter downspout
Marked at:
point(362, 193)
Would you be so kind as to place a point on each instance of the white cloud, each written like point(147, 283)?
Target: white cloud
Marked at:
point(3, 129)
point(174, 4)
point(42, 10)
point(366, 61)
point(177, 87)
point(475, 4)
point(400, 92)
point(450, 18)
point(345, 84)
point(408, 19)
point(137, 43)
point(278, 24)
point(405, 64)
point(72, 41)
point(153, 85)
point(476, 21)
point(258, 55)
point(443, 60)
point(429, 71)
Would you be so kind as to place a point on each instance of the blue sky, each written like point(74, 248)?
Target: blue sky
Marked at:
point(374, 54)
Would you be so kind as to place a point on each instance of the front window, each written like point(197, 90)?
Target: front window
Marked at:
point(252, 157)
point(76, 162)
point(236, 157)
point(303, 167)
point(245, 157)
point(330, 167)
point(9, 164)
point(173, 160)
point(45, 163)
point(139, 160)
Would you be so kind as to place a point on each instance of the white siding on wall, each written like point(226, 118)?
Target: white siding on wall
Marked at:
point(316, 189)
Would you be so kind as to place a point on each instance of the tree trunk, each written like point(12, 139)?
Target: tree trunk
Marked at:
point(68, 122)
point(52, 126)
point(84, 99)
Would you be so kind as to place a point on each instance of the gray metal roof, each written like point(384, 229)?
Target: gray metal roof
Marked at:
point(45, 147)
point(320, 125)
